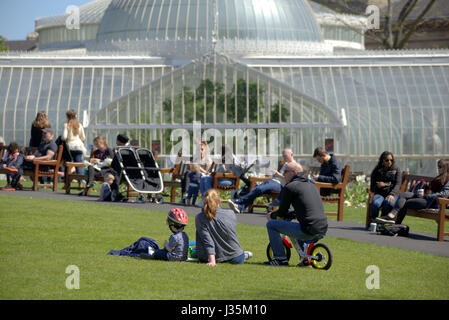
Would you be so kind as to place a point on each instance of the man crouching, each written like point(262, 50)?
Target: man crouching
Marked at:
point(308, 210)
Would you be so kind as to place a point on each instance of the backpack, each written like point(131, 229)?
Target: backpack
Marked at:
point(393, 230)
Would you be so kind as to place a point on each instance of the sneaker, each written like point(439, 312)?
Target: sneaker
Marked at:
point(274, 203)
point(8, 187)
point(235, 207)
point(385, 219)
point(248, 255)
point(146, 256)
point(305, 263)
point(277, 263)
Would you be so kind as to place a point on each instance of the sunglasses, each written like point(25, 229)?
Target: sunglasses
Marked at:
point(388, 160)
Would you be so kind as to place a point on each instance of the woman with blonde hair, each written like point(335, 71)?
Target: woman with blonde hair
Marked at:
point(40, 123)
point(74, 137)
point(216, 233)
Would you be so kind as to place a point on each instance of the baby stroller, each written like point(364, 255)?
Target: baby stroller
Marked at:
point(140, 170)
point(240, 171)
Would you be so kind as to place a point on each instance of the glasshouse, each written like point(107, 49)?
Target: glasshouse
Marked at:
point(260, 75)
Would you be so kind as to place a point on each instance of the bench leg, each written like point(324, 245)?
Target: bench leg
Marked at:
point(173, 194)
point(340, 207)
point(55, 181)
point(440, 232)
point(368, 216)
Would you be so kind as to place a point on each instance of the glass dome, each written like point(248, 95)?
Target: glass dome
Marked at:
point(54, 34)
point(191, 26)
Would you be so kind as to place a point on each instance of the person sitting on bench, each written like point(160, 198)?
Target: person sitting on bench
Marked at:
point(439, 188)
point(330, 170)
point(273, 185)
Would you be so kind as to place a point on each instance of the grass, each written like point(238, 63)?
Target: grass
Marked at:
point(351, 214)
point(39, 238)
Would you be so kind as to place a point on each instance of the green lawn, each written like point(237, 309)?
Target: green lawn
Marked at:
point(40, 238)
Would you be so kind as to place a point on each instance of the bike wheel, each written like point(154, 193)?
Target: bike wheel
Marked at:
point(324, 255)
point(270, 255)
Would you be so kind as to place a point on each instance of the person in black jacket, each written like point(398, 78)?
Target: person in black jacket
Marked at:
point(330, 170)
point(308, 210)
point(39, 124)
point(438, 188)
point(385, 183)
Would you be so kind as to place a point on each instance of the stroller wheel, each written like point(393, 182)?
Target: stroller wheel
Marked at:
point(158, 199)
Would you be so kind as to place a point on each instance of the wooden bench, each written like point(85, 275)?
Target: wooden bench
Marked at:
point(338, 188)
point(52, 172)
point(223, 175)
point(174, 182)
point(69, 176)
point(440, 215)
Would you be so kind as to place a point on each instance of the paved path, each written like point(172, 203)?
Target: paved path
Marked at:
point(346, 230)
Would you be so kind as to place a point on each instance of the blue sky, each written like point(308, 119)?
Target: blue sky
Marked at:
point(17, 16)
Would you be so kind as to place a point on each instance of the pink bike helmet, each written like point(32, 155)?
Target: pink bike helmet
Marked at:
point(177, 218)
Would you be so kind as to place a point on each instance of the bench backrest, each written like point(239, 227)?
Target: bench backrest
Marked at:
point(409, 181)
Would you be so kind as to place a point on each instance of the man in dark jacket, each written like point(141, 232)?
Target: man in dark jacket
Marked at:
point(330, 170)
point(303, 195)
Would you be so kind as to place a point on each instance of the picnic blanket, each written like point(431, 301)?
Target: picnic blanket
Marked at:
point(138, 247)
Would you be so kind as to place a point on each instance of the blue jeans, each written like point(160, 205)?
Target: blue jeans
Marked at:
point(379, 202)
point(160, 254)
point(237, 260)
point(292, 229)
point(263, 188)
point(192, 193)
point(78, 157)
point(207, 182)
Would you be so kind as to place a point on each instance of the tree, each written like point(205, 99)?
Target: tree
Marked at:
point(205, 96)
point(397, 24)
point(3, 47)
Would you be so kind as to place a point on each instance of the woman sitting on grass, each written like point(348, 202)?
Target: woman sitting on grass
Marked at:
point(216, 234)
point(439, 188)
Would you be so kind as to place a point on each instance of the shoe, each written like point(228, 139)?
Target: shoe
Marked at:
point(274, 203)
point(248, 255)
point(84, 192)
point(19, 186)
point(146, 256)
point(304, 263)
point(385, 219)
point(8, 187)
point(235, 207)
point(277, 263)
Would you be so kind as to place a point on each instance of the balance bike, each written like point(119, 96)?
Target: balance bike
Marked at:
point(318, 255)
